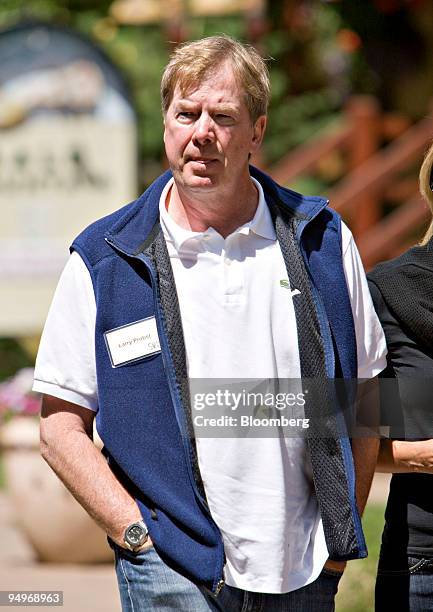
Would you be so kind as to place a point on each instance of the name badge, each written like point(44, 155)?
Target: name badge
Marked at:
point(132, 341)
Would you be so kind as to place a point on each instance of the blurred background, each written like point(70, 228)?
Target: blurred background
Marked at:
point(81, 134)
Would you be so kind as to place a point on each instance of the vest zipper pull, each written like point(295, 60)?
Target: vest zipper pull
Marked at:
point(218, 587)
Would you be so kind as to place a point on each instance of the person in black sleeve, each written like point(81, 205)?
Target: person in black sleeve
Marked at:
point(402, 291)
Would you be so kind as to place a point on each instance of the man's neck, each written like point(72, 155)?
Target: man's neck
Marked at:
point(225, 212)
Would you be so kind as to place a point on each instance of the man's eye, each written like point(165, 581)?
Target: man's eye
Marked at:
point(185, 115)
point(222, 118)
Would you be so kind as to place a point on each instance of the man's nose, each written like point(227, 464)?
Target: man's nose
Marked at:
point(204, 129)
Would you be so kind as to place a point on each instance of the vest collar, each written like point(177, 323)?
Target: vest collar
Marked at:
point(136, 228)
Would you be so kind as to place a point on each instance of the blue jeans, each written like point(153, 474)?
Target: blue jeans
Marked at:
point(147, 584)
point(405, 589)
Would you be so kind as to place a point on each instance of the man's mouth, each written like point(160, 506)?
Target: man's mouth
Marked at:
point(201, 160)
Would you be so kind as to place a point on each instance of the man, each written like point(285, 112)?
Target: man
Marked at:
point(214, 272)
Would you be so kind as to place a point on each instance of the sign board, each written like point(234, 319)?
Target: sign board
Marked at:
point(67, 157)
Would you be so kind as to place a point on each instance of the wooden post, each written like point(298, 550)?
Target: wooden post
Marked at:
point(174, 23)
point(364, 113)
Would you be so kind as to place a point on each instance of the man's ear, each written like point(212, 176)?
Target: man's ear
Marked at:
point(258, 132)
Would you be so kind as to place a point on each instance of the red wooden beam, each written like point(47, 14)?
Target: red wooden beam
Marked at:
point(377, 172)
point(388, 235)
point(305, 157)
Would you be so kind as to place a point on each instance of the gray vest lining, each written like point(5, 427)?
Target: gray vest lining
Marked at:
point(324, 449)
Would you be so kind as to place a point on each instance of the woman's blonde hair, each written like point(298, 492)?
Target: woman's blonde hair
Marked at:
point(191, 62)
point(425, 177)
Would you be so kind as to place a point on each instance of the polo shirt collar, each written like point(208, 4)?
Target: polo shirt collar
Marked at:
point(183, 239)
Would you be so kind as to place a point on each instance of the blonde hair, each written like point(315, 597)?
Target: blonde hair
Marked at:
point(193, 61)
point(426, 192)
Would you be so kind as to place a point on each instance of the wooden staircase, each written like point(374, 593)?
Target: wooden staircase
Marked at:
point(377, 194)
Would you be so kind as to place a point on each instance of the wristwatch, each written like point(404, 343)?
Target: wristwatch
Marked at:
point(135, 535)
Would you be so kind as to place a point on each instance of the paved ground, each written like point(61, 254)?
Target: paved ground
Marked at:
point(87, 588)
point(379, 489)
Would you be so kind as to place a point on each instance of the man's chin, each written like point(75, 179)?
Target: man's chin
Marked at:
point(197, 182)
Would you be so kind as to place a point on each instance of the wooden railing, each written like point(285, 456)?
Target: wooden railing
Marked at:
point(373, 174)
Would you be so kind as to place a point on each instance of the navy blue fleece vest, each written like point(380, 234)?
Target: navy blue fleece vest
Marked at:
point(140, 418)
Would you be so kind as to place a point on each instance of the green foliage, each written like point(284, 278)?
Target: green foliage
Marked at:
point(201, 27)
point(311, 72)
point(13, 357)
point(301, 101)
point(296, 120)
point(309, 185)
point(141, 53)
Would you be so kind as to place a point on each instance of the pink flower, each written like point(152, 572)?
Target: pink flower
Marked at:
point(17, 397)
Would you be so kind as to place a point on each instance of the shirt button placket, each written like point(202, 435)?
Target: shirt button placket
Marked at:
point(233, 273)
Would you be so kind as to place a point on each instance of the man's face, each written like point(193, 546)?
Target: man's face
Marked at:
point(209, 134)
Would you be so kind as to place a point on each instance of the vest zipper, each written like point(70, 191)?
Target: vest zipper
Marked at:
point(218, 587)
point(218, 582)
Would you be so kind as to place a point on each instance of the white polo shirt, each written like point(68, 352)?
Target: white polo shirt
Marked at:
point(238, 322)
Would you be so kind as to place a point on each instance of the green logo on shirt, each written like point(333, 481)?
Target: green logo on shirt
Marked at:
point(286, 285)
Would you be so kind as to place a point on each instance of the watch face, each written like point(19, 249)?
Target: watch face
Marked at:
point(135, 533)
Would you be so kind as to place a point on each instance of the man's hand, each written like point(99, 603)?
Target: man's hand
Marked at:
point(67, 446)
